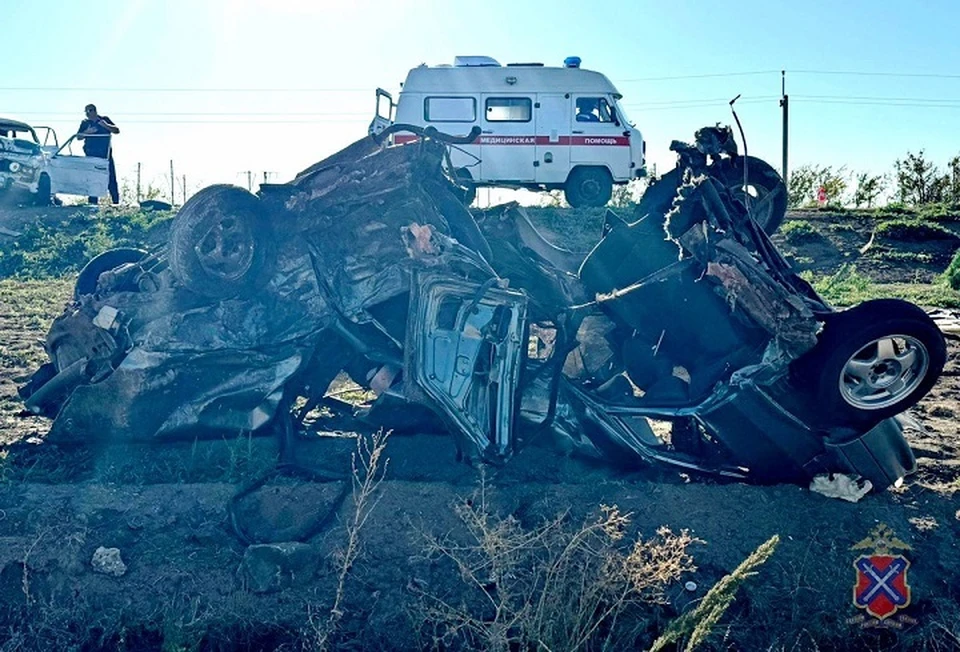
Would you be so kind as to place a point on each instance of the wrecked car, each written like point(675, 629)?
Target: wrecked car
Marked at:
point(682, 339)
point(42, 168)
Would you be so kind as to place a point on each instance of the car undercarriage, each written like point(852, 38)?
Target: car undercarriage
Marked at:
point(683, 339)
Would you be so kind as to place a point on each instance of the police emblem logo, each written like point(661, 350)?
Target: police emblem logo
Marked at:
point(881, 587)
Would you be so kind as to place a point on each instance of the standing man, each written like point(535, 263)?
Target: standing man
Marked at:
point(95, 132)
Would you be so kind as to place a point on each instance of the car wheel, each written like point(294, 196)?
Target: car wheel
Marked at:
point(43, 190)
point(87, 280)
point(465, 180)
point(221, 243)
point(873, 361)
point(588, 186)
point(767, 192)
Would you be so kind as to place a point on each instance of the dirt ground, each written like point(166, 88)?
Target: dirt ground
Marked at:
point(188, 583)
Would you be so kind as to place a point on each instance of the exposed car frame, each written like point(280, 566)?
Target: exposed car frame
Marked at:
point(368, 263)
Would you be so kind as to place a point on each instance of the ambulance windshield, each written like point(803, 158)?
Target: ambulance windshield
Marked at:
point(622, 115)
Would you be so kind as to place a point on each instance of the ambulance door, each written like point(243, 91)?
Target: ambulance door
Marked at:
point(598, 138)
point(507, 141)
point(552, 113)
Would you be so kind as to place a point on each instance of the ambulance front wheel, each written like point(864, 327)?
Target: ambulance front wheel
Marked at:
point(588, 186)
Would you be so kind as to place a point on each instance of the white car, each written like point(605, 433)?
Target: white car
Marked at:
point(44, 168)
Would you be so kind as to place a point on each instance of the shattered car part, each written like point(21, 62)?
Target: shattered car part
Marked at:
point(368, 264)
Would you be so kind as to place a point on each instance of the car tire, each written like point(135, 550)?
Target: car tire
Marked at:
point(221, 243)
point(465, 180)
point(155, 205)
point(763, 181)
point(87, 279)
point(872, 362)
point(588, 186)
point(44, 194)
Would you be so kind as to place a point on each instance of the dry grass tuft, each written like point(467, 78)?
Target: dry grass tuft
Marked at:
point(369, 466)
point(552, 587)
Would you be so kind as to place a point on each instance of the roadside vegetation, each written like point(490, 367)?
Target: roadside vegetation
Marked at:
point(848, 287)
point(915, 182)
point(561, 586)
point(47, 249)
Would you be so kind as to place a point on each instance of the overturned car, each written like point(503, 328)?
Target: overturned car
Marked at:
point(682, 339)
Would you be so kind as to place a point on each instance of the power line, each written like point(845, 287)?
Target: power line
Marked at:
point(204, 113)
point(284, 114)
point(878, 99)
point(915, 105)
point(749, 73)
point(694, 105)
point(355, 117)
point(244, 122)
point(864, 73)
point(701, 76)
point(725, 100)
point(95, 89)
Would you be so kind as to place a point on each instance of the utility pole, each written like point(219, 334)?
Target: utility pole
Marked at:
point(784, 103)
point(184, 189)
point(173, 198)
point(138, 183)
point(250, 180)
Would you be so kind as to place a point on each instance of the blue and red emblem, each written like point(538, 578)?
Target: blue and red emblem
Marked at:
point(881, 587)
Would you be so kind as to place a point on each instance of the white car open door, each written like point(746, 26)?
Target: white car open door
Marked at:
point(87, 176)
point(383, 117)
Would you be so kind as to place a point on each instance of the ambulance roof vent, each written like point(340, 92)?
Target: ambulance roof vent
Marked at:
point(571, 62)
point(475, 62)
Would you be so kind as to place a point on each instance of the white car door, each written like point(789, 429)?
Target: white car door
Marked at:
point(553, 139)
point(87, 176)
point(507, 140)
point(598, 138)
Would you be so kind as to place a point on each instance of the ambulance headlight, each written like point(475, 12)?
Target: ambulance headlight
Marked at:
point(14, 166)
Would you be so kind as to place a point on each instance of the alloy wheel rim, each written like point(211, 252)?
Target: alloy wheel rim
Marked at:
point(884, 372)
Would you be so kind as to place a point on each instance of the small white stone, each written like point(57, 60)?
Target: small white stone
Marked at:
point(108, 562)
point(690, 586)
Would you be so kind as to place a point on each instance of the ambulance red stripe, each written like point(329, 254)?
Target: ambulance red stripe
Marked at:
point(576, 141)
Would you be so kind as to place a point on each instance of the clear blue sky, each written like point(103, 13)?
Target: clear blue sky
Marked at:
point(336, 53)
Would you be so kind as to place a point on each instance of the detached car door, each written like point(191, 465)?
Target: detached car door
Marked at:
point(77, 175)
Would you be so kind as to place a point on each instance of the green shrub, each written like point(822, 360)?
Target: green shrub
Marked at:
point(952, 274)
point(940, 211)
point(914, 230)
point(848, 287)
point(798, 232)
point(844, 288)
point(895, 208)
point(52, 250)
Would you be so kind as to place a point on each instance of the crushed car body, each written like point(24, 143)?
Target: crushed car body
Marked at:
point(682, 339)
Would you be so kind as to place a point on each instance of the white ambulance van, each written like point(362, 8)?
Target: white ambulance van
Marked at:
point(541, 127)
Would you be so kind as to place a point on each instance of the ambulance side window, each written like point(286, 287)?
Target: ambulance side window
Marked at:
point(450, 109)
point(509, 109)
point(594, 109)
